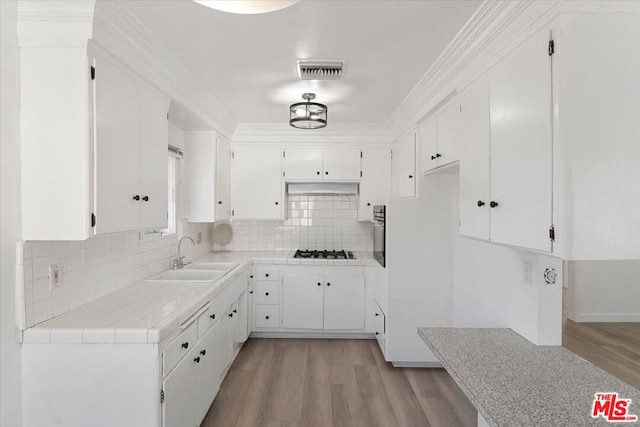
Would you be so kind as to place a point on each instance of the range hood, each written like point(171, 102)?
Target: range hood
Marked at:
point(328, 188)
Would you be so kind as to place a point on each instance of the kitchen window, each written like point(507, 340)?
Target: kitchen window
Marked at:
point(172, 210)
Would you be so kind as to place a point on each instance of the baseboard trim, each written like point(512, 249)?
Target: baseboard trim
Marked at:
point(314, 335)
point(607, 317)
point(416, 364)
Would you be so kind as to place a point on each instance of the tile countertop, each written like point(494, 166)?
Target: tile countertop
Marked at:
point(147, 312)
point(513, 382)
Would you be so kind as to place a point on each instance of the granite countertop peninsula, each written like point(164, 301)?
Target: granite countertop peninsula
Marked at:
point(512, 382)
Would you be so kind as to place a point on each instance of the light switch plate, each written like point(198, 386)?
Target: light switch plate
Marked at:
point(55, 276)
point(527, 268)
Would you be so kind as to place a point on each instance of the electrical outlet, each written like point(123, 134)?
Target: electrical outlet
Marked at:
point(55, 276)
point(199, 237)
point(526, 272)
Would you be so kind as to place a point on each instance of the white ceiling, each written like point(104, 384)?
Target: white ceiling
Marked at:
point(248, 62)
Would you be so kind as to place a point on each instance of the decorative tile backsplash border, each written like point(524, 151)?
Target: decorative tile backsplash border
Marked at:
point(313, 222)
point(95, 267)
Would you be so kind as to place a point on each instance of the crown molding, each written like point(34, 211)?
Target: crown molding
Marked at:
point(55, 23)
point(360, 133)
point(120, 32)
point(489, 21)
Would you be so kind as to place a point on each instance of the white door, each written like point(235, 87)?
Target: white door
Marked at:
point(257, 183)
point(240, 333)
point(407, 166)
point(475, 162)
point(520, 100)
point(224, 353)
point(375, 185)
point(154, 141)
point(180, 406)
point(341, 164)
point(302, 302)
point(302, 164)
point(117, 196)
point(344, 303)
point(428, 140)
point(223, 180)
point(449, 135)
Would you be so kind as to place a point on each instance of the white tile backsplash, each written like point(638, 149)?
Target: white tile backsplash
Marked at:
point(96, 267)
point(313, 222)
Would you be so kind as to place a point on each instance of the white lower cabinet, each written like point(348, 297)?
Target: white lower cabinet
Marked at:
point(302, 302)
point(324, 301)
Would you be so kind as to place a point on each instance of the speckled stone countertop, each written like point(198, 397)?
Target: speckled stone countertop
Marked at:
point(513, 382)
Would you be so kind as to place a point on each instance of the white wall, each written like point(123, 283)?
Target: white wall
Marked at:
point(604, 291)
point(488, 290)
point(10, 366)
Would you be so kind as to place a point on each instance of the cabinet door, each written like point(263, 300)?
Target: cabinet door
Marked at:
point(520, 100)
point(207, 381)
point(375, 185)
point(344, 303)
point(223, 180)
point(428, 140)
point(180, 406)
point(240, 332)
point(154, 140)
point(474, 163)
point(257, 183)
point(302, 164)
point(224, 353)
point(407, 166)
point(341, 164)
point(302, 302)
point(449, 135)
point(116, 152)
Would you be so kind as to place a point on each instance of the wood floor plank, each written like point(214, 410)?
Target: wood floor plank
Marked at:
point(286, 402)
point(316, 407)
point(374, 396)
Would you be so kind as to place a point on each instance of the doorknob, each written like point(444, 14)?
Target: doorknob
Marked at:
point(145, 198)
point(136, 197)
point(493, 204)
point(480, 203)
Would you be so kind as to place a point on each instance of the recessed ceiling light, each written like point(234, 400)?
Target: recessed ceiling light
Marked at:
point(247, 6)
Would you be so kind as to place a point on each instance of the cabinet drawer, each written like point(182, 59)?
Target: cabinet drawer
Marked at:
point(267, 273)
point(179, 347)
point(267, 293)
point(207, 319)
point(268, 316)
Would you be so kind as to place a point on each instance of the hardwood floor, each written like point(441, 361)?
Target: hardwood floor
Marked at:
point(614, 347)
point(299, 382)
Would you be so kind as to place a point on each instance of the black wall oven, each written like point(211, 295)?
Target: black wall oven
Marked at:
point(379, 225)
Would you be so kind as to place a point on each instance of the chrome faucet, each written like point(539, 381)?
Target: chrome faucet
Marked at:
point(178, 263)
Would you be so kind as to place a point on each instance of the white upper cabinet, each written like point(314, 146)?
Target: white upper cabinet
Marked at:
point(428, 140)
point(131, 142)
point(223, 180)
point(313, 164)
point(207, 162)
point(375, 184)
point(441, 138)
point(407, 166)
point(154, 137)
point(341, 164)
point(303, 164)
point(449, 134)
point(117, 195)
point(475, 192)
point(257, 183)
point(521, 146)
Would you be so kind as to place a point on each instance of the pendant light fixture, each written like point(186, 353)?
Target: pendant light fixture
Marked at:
point(247, 7)
point(308, 115)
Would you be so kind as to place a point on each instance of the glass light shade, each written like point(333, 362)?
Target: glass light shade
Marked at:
point(247, 7)
point(308, 115)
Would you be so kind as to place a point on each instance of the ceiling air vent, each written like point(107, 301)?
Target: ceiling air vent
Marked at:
point(321, 69)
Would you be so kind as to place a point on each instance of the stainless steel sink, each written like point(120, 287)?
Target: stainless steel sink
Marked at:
point(186, 275)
